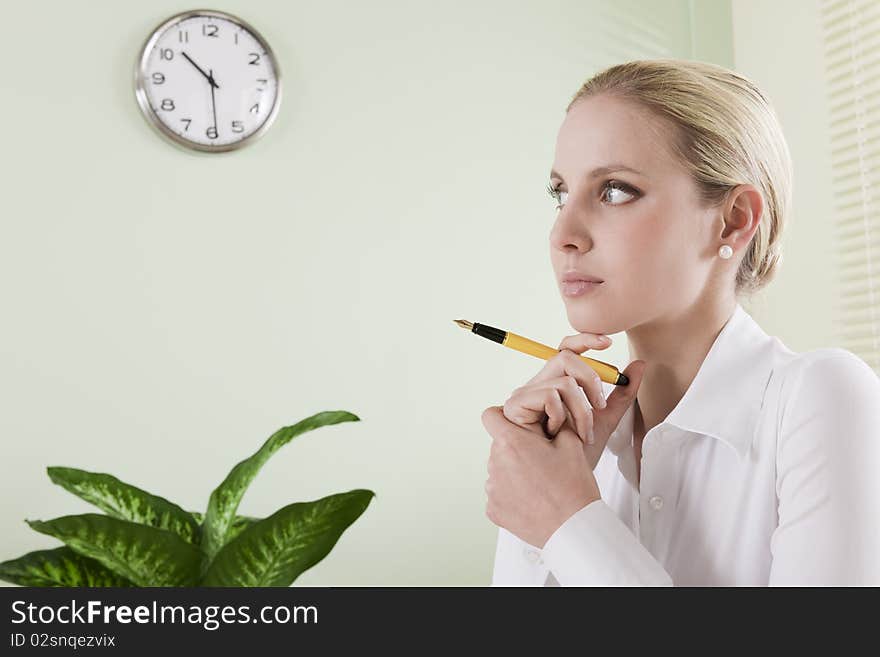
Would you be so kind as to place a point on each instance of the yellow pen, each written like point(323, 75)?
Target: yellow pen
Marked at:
point(608, 373)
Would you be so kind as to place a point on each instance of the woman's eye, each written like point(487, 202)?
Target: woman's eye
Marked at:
point(615, 186)
point(556, 194)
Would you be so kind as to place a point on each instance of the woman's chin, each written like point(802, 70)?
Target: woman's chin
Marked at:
point(586, 318)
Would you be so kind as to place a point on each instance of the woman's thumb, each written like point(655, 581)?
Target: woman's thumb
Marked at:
point(619, 400)
point(622, 396)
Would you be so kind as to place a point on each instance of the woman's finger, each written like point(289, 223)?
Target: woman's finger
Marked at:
point(559, 399)
point(621, 398)
point(573, 365)
point(585, 341)
point(556, 413)
point(529, 405)
point(568, 363)
point(577, 404)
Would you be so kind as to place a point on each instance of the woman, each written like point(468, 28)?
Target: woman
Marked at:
point(728, 459)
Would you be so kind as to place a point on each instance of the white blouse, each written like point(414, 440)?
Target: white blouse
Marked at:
point(767, 472)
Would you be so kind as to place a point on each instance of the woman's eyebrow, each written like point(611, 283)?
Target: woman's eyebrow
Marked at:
point(601, 171)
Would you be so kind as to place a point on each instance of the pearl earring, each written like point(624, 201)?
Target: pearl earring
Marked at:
point(725, 251)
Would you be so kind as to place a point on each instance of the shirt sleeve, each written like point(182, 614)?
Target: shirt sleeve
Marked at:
point(828, 476)
point(517, 563)
point(595, 548)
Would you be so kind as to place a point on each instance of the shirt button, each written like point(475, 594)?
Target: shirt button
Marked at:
point(656, 501)
point(532, 555)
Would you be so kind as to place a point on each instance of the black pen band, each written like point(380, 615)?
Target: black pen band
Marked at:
point(494, 334)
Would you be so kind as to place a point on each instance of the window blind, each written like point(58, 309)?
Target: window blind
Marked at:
point(851, 32)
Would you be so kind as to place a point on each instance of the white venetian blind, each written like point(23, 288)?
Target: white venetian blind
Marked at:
point(851, 30)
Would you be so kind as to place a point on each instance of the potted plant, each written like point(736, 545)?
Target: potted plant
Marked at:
point(142, 539)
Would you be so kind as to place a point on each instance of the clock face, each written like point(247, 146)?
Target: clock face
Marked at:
point(208, 80)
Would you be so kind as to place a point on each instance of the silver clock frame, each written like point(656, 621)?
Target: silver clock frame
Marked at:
point(140, 80)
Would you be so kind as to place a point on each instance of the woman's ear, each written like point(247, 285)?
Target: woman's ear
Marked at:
point(742, 215)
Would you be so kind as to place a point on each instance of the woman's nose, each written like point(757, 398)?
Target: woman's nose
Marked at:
point(570, 231)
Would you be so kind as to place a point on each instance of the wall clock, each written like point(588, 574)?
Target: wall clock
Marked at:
point(208, 81)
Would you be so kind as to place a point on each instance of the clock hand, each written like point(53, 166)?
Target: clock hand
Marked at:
point(207, 77)
point(213, 103)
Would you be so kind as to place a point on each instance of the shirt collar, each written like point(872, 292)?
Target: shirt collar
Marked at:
point(727, 392)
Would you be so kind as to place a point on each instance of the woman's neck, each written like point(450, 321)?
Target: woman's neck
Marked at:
point(674, 346)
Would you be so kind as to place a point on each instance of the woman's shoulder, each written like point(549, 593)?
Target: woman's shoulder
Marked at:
point(829, 381)
point(831, 364)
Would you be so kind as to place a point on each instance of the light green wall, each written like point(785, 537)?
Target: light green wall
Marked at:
point(711, 33)
point(788, 65)
point(164, 312)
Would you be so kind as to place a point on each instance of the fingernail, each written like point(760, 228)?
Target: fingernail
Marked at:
point(604, 338)
point(591, 439)
point(602, 402)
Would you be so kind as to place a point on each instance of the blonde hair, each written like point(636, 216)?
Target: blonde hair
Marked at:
point(726, 134)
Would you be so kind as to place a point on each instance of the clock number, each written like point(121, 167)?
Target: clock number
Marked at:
point(236, 38)
point(211, 132)
point(210, 30)
point(183, 36)
point(264, 81)
point(256, 59)
point(255, 109)
point(168, 105)
point(237, 126)
point(166, 53)
point(187, 121)
point(158, 78)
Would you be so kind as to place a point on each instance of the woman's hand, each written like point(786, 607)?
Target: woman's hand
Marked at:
point(536, 484)
point(569, 392)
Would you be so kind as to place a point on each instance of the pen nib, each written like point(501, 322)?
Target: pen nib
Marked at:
point(463, 323)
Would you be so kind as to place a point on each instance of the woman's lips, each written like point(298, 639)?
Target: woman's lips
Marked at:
point(578, 288)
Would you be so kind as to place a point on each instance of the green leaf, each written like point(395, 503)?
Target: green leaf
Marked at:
point(146, 556)
point(226, 497)
point(277, 549)
point(126, 502)
point(58, 567)
point(238, 525)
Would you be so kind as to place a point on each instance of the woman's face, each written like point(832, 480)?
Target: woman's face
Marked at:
point(643, 234)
